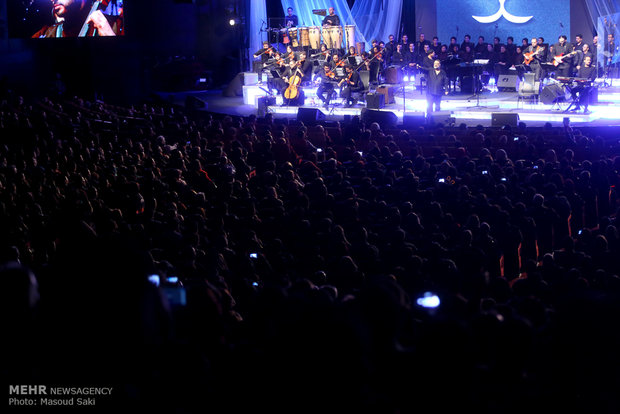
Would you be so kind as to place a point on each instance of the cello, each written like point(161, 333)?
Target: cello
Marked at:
point(292, 92)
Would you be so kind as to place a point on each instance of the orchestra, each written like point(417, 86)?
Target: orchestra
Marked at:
point(337, 63)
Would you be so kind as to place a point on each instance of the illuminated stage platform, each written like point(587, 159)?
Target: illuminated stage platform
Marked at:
point(462, 107)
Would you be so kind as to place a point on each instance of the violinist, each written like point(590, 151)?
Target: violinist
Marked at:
point(306, 67)
point(326, 80)
point(289, 55)
point(336, 62)
point(349, 84)
point(265, 53)
point(376, 64)
point(324, 54)
point(351, 53)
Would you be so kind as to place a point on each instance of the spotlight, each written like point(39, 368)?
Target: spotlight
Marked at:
point(406, 78)
point(232, 22)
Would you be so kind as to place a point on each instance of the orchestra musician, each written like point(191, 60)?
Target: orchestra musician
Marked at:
point(436, 82)
point(289, 55)
point(390, 46)
point(331, 19)
point(290, 20)
point(534, 51)
point(583, 90)
point(561, 49)
point(306, 67)
point(69, 18)
point(376, 64)
point(326, 80)
point(266, 53)
point(349, 84)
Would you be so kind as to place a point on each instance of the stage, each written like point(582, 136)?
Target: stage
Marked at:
point(458, 108)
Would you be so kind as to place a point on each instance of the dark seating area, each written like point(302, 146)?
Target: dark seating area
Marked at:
point(206, 263)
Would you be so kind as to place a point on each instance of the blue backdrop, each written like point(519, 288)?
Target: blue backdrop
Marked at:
point(551, 19)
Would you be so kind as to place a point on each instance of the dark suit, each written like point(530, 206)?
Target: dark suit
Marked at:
point(435, 88)
point(350, 85)
point(564, 68)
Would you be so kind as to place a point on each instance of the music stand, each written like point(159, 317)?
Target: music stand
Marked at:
point(477, 81)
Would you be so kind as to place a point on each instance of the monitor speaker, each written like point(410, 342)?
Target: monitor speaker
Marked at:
point(309, 116)
point(500, 119)
point(507, 82)
point(414, 120)
point(375, 100)
point(552, 94)
point(385, 119)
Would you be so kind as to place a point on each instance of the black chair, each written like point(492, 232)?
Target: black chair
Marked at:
point(365, 78)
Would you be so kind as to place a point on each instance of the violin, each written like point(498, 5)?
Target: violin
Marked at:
point(347, 79)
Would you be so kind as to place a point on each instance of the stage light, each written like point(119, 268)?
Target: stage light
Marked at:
point(406, 78)
point(232, 22)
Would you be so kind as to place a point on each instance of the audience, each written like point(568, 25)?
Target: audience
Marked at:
point(291, 258)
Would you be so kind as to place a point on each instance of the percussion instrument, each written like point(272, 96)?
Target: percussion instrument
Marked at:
point(314, 35)
point(292, 34)
point(349, 31)
point(304, 36)
point(333, 36)
point(393, 74)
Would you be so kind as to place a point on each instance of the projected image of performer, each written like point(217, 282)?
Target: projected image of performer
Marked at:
point(436, 82)
point(331, 19)
point(71, 15)
point(290, 20)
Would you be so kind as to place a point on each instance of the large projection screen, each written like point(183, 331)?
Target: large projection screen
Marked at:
point(550, 19)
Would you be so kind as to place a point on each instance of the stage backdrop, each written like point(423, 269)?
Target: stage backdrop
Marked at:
point(550, 18)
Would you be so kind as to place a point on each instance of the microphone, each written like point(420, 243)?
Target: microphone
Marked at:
point(561, 25)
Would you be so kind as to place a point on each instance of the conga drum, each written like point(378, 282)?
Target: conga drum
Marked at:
point(314, 34)
point(336, 35)
point(292, 34)
point(349, 31)
point(304, 36)
point(327, 36)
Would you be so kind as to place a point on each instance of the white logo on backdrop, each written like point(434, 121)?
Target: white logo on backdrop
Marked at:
point(502, 12)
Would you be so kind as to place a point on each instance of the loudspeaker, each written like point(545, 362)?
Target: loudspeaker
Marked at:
point(552, 94)
point(375, 100)
point(414, 120)
point(385, 119)
point(263, 103)
point(191, 102)
point(235, 87)
point(442, 117)
point(393, 74)
point(501, 119)
point(309, 116)
point(507, 82)
point(388, 91)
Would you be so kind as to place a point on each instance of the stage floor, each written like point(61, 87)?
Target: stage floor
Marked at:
point(464, 108)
